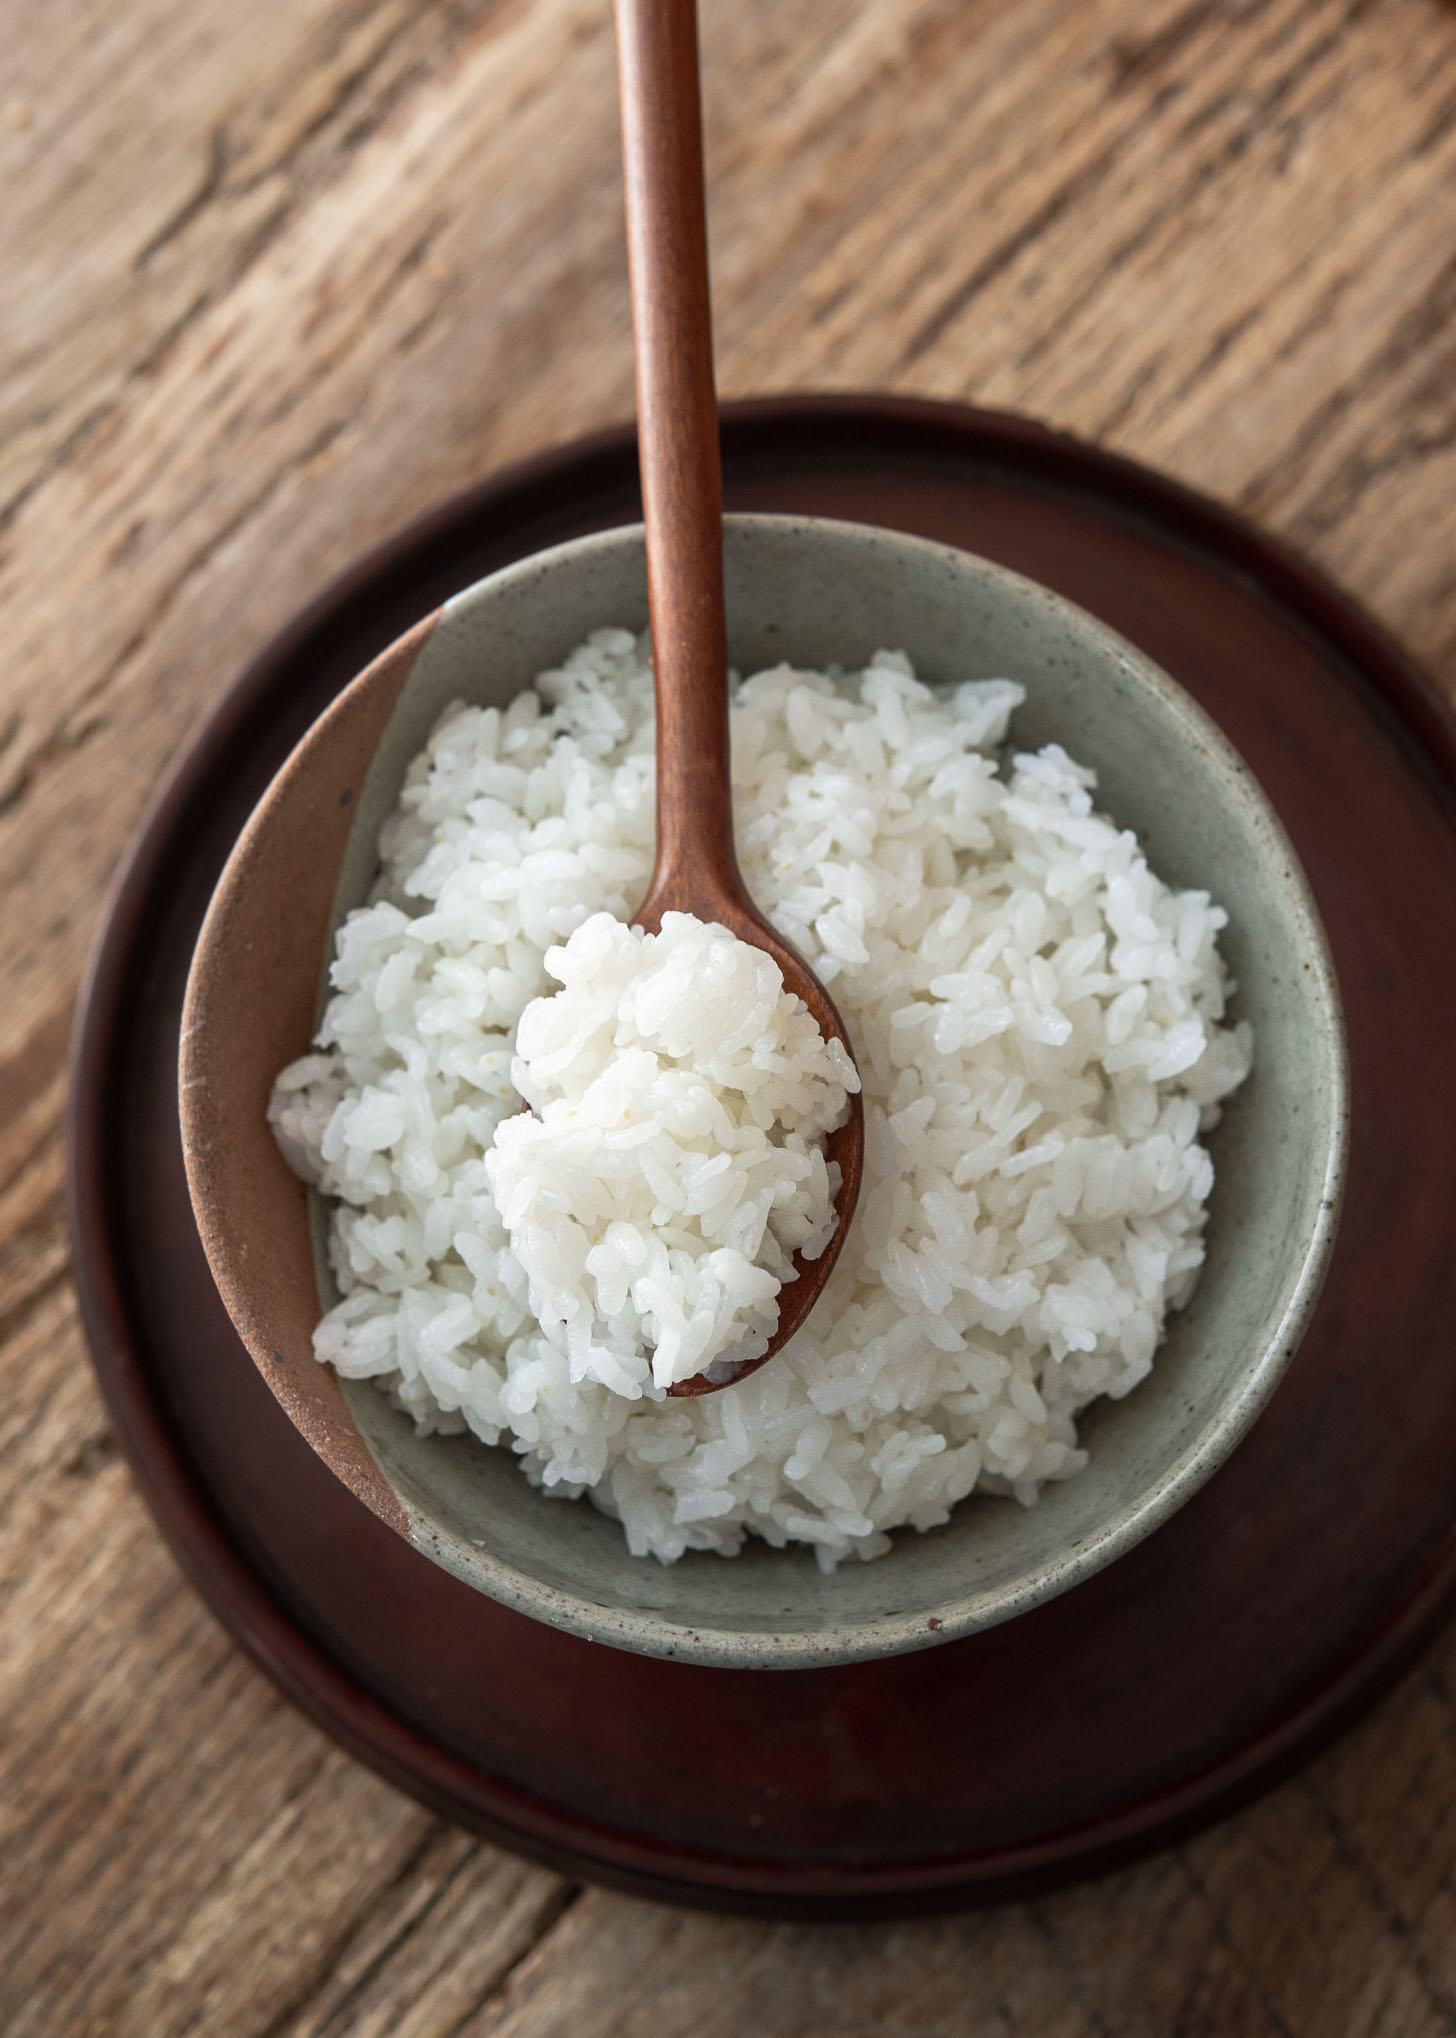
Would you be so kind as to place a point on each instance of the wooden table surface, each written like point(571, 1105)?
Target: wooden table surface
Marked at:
point(273, 278)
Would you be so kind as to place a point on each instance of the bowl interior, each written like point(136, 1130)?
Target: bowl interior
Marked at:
point(814, 593)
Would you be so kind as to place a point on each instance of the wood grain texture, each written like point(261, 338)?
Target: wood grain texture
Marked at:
point(277, 278)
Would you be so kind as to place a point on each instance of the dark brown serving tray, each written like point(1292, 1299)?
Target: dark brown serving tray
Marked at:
point(1180, 1681)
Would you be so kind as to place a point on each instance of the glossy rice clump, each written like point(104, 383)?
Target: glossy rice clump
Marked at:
point(672, 1161)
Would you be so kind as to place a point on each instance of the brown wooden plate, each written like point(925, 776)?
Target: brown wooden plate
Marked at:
point(1174, 1685)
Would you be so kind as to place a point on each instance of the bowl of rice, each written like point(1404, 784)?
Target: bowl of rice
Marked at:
point(1097, 1031)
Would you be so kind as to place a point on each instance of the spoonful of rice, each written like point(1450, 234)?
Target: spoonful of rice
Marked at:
point(671, 1167)
point(797, 1039)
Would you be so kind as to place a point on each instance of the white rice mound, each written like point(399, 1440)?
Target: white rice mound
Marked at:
point(672, 1162)
point(1037, 1023)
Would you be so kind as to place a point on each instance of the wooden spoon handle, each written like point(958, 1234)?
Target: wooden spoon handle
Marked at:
point(682, 479)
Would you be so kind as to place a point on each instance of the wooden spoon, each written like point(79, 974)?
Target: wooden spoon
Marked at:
point(682, 493)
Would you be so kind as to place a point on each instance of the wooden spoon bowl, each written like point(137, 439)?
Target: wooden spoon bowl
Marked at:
point(844, 1148)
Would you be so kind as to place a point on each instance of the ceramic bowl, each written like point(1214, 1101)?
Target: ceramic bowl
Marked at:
point(814, 592)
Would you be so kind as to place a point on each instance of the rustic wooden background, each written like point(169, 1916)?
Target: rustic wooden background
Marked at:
point(275, 276)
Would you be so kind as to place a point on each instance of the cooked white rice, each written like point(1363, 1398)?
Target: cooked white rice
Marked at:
point(672, 1162)
point(1036, 1019)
